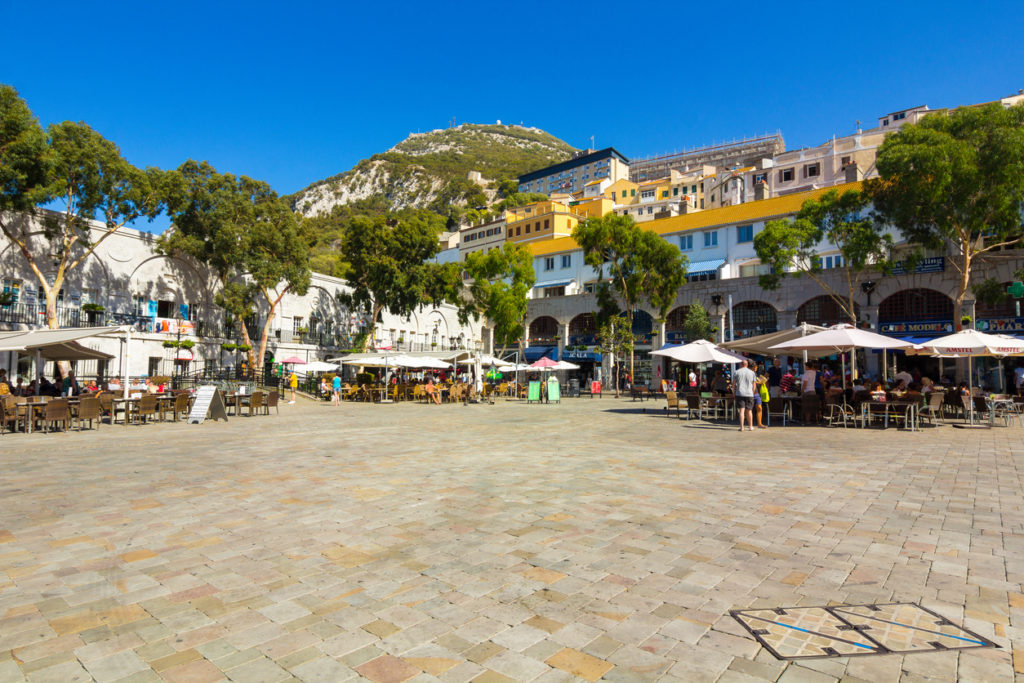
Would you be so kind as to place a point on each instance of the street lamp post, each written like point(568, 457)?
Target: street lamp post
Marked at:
point(177, 350)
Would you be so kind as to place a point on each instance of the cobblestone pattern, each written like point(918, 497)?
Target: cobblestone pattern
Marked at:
point(512, 542)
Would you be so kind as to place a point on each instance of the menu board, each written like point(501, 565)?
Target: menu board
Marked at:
point(207, 404)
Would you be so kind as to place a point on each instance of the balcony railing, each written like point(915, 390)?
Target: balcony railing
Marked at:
point(35, 314)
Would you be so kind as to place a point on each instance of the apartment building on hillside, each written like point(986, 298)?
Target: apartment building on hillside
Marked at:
point(572, 175)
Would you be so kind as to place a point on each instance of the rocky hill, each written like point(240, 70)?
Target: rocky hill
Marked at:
point(429, 170)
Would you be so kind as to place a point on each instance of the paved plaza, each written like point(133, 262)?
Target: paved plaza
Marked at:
point(508, 542)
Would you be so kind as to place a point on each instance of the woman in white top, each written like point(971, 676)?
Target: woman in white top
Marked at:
point(808, 378)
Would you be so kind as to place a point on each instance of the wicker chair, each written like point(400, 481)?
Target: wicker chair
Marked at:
point(672, 401)
point(9, 414)
point(255, 403)
point(181, 405)
point(88, 409)
point(146, 408)
point(272, 400)
point(57, 411)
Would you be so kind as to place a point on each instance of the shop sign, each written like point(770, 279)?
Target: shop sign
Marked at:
point(1001, 325)
point(581, 356)
point(917, 327)
point(932, 264)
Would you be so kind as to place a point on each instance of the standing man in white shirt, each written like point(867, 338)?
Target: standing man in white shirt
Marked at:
point(743, 383)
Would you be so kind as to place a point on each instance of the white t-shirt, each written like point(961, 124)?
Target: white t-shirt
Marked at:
point(807, 381)
point(743, 380)
point(905, 376)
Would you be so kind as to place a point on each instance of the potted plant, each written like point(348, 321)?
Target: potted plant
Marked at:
point(93, 312)
point(6, 298)
point(965, 322)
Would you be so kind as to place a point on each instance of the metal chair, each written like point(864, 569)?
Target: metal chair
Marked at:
point(836, 411)
point(933, 409)
point(778, 407)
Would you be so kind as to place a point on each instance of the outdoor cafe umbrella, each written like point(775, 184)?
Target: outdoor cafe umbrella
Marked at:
point(970, 344)
point(292, 360)
point(841, 339)
point(700, 351)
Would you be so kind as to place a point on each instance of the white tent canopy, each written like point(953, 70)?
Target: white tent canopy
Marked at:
point(316, 366)
point(762, 344)
point(840, 339)
point(700, 351)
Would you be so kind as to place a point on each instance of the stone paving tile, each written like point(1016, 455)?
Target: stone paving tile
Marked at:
point(417, 543)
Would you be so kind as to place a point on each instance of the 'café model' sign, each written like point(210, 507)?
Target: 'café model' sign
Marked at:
point(910, 327)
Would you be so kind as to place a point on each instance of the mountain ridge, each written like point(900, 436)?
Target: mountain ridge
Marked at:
point(431, 170)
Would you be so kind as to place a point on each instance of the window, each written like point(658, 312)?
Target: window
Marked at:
point(899, 117)
point(554, 291)
point(546, 224)
point(297, 323)
point(647, 194)
point(527, 228)
point(12, 288)
point(760, 178)
point(828, 261)
point(518, 228)
point(885, 122)
point(845, 161)
point(632, 193)
point(686, 243)
point(812, 170)
point(675, 191)
point(711, 238)
point(650, 210)
point(745, 233)
point(566, 260)
point(549, 263)
point(664, 194)
point(694, 189)
point(786, 175)
point(510, 232)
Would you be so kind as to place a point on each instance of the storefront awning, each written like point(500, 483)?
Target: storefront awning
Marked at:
point(705, 267)
point(553, 283)
point(533, 353)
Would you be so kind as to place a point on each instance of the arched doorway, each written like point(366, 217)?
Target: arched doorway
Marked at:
point(675, 325)
point(916, 311)
point(583, 330)
point(751, 318)
point(824, 310)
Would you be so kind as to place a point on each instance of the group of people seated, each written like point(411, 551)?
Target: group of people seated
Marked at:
point(69, 386)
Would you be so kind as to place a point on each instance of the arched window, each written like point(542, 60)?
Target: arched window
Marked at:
point(751, 318)
point(676, 320)
point(824, 310)
point(915, 304)
point(543, 329)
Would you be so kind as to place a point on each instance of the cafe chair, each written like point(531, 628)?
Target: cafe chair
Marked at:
point(88, 409)
point(255, 403)
point(933, 410)
point(145, 408)
point(57, 411)
point(272, 399)
point(9, 414)
point(778, 407)
point(181, 405)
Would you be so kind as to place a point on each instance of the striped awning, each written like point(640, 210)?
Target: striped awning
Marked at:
point(705, 267)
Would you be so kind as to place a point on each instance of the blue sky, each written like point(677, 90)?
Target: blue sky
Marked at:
point(292, 94)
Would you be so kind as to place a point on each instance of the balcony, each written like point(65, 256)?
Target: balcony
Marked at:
point(35, 314)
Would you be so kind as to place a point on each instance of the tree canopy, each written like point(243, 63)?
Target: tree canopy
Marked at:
point(245, 233)
point(833, 220)
point(389, 264)
point(83, 173)
point(697, 324)
point(633, 265)
point(500, 280)
point(955, 182)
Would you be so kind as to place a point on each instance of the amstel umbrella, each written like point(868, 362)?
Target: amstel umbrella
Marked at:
point(970, 344)
point(841, 339)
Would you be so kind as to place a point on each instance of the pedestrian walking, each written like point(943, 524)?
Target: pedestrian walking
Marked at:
point(293, 383)
point(336, 391)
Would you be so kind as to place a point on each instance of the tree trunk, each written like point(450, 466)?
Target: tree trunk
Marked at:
point(965, 279)
point(248, 342)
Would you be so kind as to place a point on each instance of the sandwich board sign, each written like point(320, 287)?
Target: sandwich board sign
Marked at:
point(208, 405)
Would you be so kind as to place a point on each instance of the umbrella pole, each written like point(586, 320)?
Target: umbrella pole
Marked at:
point(970, 388)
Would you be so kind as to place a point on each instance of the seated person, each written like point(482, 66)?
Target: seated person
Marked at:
point(927, 386)
point(832, 388)
point(878, 393)
point(432, 391)
point(914, 390)
point(859, 385)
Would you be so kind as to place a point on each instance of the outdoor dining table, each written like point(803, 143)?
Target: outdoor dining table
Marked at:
point(728, 404)
point(885, 408)
point(30, 410)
